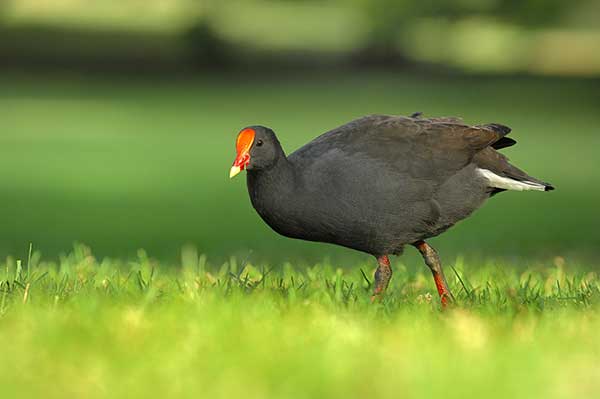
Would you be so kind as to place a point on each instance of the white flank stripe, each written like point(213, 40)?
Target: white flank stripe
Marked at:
point(509, 184)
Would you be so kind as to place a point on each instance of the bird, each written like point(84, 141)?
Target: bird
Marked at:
point(380, 183)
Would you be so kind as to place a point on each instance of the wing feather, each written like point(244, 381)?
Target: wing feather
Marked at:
point(431, 149)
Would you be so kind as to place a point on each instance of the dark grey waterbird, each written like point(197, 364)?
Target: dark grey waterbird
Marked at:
point(380, 182)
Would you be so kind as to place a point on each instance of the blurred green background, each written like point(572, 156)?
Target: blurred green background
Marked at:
point(118, 118)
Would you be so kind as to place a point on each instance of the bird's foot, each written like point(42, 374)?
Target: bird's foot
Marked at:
point(446, 297)
point(383, 274)
point(377, 296)
point(447, 300)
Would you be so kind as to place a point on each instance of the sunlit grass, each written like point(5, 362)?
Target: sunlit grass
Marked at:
point(85, 327)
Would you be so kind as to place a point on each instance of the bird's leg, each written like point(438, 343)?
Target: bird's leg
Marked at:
point(433, 261)
point(383, 274)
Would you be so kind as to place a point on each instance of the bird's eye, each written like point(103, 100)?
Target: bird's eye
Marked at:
point(259, 143)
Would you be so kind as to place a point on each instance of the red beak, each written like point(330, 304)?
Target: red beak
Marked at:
point(243, 144)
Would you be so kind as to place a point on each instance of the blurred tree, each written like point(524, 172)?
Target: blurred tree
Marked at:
point(389, 20)
point(3, 7)
point(534, 12)
point(206, 47)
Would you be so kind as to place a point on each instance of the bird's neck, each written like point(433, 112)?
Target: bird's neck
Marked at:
point(272, 187)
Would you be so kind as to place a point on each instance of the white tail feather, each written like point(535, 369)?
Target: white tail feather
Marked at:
point(508, 183)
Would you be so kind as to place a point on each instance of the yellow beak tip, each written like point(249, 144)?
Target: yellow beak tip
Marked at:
point(234, 171)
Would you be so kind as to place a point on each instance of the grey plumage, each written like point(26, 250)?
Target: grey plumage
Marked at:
point(380, 182)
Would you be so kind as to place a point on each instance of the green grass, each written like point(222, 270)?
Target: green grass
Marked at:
point(90, 328)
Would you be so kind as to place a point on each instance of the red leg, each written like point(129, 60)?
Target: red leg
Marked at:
point(433, 261)
point(383, 274)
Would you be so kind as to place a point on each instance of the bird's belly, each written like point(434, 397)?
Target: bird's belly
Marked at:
point(374, 218)
point(358, 225)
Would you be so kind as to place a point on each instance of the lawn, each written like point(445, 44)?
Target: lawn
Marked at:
point(123, 163)
point(89, 328)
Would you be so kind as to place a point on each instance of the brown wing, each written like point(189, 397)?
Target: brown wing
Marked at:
point(431, 149)
point(436, 147)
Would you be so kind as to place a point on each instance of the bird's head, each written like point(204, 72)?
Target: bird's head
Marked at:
point(257, 148)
